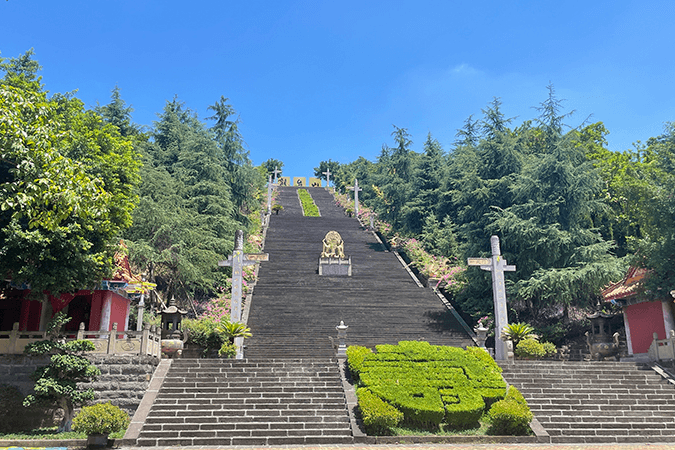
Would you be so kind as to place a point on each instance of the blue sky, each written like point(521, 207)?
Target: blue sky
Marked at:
point(313, 80)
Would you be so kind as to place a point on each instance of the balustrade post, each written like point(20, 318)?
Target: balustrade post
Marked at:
point(13, 338)
point(144, 339)
point(112, 339)
point(80, 331)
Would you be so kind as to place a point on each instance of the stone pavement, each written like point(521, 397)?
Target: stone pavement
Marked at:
point(443, 447)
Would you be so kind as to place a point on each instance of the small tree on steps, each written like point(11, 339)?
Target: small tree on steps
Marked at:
point(56, 383)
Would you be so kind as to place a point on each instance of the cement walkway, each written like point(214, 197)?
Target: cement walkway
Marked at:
point(443, 447)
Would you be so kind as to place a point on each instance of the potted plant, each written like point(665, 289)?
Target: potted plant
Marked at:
point(277, 207)
point(98, 421)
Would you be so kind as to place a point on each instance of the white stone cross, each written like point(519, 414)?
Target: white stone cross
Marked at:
point(497, 265)
point(276, 173)
point(269, 195)
point(237, 261)
point(356, 190)
point(327, 173)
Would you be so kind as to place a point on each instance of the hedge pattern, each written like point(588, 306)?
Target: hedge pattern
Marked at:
point(430, 384)
point(309, 208)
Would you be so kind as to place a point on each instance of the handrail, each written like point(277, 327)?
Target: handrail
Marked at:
point(661, 349)
point(113, 342)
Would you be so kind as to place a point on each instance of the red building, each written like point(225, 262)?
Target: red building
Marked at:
point(99, 309)
point(642, 318)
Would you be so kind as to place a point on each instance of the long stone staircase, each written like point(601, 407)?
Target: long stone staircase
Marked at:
point(288, 390)
point(596, 402)
point(294, 311)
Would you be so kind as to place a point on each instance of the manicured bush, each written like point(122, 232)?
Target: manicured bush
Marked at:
point(355, 356)
point(378, 416)
point(430, 384)
point(530, 348)
point(102, 418)
point(510, 416)
point(421, 406)
point(309, 208)
point(462, 409)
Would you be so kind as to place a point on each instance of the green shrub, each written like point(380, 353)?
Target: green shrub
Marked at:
point(463, 409)
point(309, 208)
point(530, 348)
point(203, 332)
point(60, 382)
point(355, 356)
point(228, 350)
point(510, 416)
point(421, 406)
point(102, 418)
point(378, 416)
point(549, 349)
point(430, 384)
point(515, 395)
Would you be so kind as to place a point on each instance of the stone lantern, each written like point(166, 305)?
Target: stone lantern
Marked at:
point(172, 334)
point(601, 344)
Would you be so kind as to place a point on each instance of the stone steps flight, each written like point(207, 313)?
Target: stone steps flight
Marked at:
point(294, 311)
point(596, 402)
point(217, 402)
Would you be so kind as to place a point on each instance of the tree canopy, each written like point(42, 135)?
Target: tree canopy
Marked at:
point(67, 183)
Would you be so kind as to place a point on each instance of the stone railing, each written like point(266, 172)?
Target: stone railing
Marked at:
point(662, 349)
point(146, 342)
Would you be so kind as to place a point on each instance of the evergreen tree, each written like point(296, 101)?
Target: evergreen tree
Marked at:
point(548, 231)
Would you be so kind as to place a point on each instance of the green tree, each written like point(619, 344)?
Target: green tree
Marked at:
point(548, 232)
point(191, 201)
point(271, 164)
point(656, 250)
point(334, 167)
point(57, 383)
point(67, 186)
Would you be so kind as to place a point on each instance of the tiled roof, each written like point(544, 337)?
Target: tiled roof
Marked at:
point(627, 287)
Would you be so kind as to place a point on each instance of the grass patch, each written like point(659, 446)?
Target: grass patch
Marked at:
point(52, 433)
point(309, 208)
point(444, 430)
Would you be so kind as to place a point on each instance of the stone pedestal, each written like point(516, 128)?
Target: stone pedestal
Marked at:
point(336, 267)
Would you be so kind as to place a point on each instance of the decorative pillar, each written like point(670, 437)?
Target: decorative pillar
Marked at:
point(342, 340)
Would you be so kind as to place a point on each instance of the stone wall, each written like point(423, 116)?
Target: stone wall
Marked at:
point(123, 379)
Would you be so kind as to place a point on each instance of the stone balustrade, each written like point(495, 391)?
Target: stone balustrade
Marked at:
point(662, 349)
point(113, 342)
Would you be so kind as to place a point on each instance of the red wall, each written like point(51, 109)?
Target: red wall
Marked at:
point(118, 311)
point(645, 319)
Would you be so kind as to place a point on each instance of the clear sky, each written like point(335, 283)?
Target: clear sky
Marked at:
point(316, 80)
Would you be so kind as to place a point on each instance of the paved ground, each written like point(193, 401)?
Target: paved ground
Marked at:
point(417, 447)
point(448, 447)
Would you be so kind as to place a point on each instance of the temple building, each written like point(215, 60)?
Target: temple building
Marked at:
point(97, 308)
point(642, 317)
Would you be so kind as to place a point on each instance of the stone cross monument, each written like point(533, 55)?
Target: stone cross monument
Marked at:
point(276, 173)
point(269, 195)
point(497, 265)
point(237, 260)
point(327, 173)
point(356, 190)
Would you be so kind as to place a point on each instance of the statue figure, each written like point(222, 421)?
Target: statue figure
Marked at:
point(333, 246)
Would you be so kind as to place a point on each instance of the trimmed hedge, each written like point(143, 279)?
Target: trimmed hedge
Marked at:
point(309, 208)
point(431, 385)
point(378, 416)
point(510, 416)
